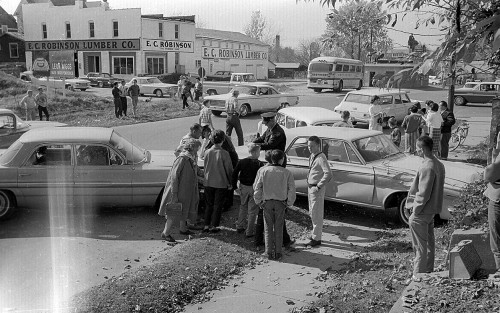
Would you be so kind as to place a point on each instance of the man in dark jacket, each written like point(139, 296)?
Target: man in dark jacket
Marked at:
point(448, 122)
point(274, 137)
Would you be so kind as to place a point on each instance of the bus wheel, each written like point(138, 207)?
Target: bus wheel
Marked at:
point(317, 89)
point(341, 86)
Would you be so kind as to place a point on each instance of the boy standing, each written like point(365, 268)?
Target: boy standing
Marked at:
point(395, 131)
point(29, 105)
point(41, 103)
point(134, 94)
point(205, 118)
point(246, 171)
point(274, 191)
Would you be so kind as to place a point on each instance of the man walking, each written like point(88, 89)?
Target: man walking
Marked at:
point(123, 97)
point(448, 122)
point(319, 175)
point(134, 94)
point(41, 103)
point(233, 117)
point(426, 193)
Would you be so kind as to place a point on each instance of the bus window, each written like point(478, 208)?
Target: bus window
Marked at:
point(352, 68)
point(345, 68)
point(338, 68)
point(358, 68)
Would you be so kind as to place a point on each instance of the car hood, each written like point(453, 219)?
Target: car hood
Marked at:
point(218, 97)
point(161, 158)
point(42, 124)
point(458, 174)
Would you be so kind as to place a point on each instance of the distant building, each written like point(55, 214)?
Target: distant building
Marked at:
point(11, 42)
point(271, 69)
point(286, 69)
point(218, 50)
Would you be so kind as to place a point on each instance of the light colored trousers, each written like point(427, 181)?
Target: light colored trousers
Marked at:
point(422, 238)
point(247, 216)
point(316, 211)
point(274, 218)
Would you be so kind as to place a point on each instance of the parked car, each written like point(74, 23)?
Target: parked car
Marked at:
point(292, 117)
point(368, 169)
point(236, 79)
point(434, 80)
point(55, 82)
point(12, 127)
point(394, 103)
point(87, 166)
point(153, 86)
point(482, 92)
point(253, 98)
point(101, 79)
point(220, 76)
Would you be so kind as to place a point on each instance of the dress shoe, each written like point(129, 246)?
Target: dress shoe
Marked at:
point(289, 244)
point(186, 233)
point(313, 243)
point(168, 238)
point(278, 256)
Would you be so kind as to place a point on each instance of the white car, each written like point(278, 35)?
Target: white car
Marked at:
point(394, 103)
point(69, 83)
point(253, 98)
point(293, 117)
point(153, 86)
point(433, 80)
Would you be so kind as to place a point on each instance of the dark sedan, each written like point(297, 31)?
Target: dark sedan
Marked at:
point(477, 92)
point(101, 79)
point(220, 76)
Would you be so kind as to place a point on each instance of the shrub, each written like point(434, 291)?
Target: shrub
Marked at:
point(473, 204)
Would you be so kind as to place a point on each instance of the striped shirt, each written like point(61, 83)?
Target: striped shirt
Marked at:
point(205, 117)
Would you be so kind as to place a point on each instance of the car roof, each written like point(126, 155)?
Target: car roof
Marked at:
point(311, 115)
point(6, 111)
point(344, 133)
point(377, 92)
point(68, 134)
point(243, 73)
point(255, 84)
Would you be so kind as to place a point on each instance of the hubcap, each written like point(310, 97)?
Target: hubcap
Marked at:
point(404, 212)
point(4, 204)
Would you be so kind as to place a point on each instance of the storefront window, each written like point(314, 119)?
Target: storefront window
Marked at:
point(123, 65)
point(156, 66)
point(177, 56)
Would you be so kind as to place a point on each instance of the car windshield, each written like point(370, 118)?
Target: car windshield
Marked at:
point(132, 153)
point(154, 81)
point(376, 147)
point(248, 90)
point(470, 85)
point(10, 153)
point(358, 98)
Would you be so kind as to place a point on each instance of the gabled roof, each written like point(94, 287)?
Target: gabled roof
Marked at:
point(7, 19)
point(13, 34)
point(227, 35)
point(288, 65)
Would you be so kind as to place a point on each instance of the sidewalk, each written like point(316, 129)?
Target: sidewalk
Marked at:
point(293, 282)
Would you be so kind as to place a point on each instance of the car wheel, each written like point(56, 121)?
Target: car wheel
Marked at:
point(459, 100)
point(100, 85)
point(341, 86)
point(244, 110)
point(317, 90)
point(158, 93)
point(403, 212)
point(83, 89)
point(211, 92)
point(7, 204)
point(216, 113)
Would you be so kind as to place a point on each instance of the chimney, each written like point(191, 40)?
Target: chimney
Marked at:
point(4, 29)
point(105, 4)
point(277, 40)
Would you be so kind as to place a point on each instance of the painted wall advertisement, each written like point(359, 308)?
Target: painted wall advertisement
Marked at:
point(53, 63)
point(219, 53)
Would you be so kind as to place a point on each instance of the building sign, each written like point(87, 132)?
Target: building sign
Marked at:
point(62, 64)
point(85, 45)
point(220, 53)
point(168, 45)
point(40, 64)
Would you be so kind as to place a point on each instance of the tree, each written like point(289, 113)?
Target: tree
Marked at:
point(354, 23)
point(257, 28)
point(308, 50)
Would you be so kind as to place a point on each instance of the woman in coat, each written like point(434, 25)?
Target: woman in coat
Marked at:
point(181, 187)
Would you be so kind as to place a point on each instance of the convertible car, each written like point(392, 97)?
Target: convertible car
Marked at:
point(82, 166)
point(253, 98)
point(368, 169)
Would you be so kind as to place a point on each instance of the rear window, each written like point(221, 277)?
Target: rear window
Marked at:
point(358, 98)
point(320, 67)
point(10, 153)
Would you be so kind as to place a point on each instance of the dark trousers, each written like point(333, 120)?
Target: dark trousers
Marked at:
point(118, 107)
point(214, 202)
point(494, 226)
point(233, 121)
point(44, 111)
point(259, 230)
point(184, 101)
point(445, 144)
point(124, 105)
point(197, 94)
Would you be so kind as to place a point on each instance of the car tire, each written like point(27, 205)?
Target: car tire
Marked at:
point(397, 212)
point(83, 89)
point(211, 92)
point(7, 204)
point(341, 86)
point(244, 110)
point(100, 84)
point(158, 93)
point(403, 212)
point(284, 105)
point(459, 101)
point(216, 113)
point(318, 90)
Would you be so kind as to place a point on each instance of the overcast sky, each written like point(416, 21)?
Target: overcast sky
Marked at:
point(294, 20)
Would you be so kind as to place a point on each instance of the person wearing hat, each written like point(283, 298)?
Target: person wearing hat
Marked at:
point(28, 102)
point(233, 117)
point(41, 103)
point(274, 137)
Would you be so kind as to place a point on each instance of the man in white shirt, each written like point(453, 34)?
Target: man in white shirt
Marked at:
point(28, 102)
point(233, 117)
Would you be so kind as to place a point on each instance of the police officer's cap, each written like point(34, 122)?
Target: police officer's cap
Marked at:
point(268, 115)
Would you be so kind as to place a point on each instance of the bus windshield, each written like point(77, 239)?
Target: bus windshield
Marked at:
point(320, 67)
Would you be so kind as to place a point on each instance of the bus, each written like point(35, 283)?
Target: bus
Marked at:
point(334, 73)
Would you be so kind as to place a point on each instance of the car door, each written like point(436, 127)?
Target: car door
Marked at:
point(144, 86)
point(102, 176)
point(387, 105)
point(298, 163)
point(46, 177)
point(352, 181)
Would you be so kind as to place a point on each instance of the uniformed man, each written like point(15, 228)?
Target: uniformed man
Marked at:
point(274, 137)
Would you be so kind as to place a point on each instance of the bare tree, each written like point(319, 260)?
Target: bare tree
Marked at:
point(308, 49)
point(260, 28)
